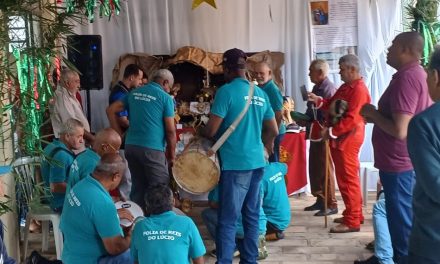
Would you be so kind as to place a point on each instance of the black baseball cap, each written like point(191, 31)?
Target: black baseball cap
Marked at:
point(234, 59)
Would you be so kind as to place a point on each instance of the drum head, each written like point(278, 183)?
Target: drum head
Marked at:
point(195, 172)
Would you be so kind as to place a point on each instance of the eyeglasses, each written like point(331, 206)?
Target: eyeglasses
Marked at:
point(110, 146)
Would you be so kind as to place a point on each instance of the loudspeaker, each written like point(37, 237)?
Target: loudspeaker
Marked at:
point(84, 52)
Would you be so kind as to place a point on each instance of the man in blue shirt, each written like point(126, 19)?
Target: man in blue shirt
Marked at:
point(163, 236)
point(151, 132)
point(58, 157)
point(132, 78)
point(263, 75)
point(241, 155)
point(90, 222)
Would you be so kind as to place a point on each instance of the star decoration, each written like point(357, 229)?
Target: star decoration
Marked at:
point(196, 3)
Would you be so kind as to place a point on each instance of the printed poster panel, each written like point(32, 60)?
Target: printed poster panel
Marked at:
point(334, 29)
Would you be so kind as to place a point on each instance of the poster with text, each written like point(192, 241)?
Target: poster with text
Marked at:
point(334, 29)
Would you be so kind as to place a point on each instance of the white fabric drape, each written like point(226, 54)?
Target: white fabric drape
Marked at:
point(161, 27)
point(379, 22)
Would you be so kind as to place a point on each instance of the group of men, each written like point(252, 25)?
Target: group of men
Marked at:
point(72, 172)
point(150, 140)
point(403, 139)
point(81, 180)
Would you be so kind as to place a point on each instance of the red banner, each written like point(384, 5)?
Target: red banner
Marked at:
point(293, 153)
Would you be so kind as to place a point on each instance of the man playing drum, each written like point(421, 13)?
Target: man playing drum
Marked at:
point(242, 158)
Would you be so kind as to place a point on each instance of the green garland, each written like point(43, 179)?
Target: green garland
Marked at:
point(25, 88)
point(28, 71)
point(423, 14)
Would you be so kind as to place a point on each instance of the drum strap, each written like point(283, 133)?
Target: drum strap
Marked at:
point(234, 124)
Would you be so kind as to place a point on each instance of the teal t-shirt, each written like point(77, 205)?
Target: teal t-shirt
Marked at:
point(83, 166)
point(243, 150)
point(55, 168)
point(89, 215)
point(166, 238)
point(147, 106)
point(48, 160)
point(262, 220)
point(276, 100)
point(276, 204)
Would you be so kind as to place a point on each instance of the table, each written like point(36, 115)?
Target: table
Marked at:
point(293, 153)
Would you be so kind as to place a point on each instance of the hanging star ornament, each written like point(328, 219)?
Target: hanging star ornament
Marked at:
point(196, 3)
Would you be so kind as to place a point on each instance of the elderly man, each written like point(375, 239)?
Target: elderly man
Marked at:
point(423, 135)
point(263, 75)
point(163, 236)
point(242, 157)
point(346, 137)
point(90, 222)
point(59, 156)
point(318, 72)
point(66, 105)
point(106, 141)
point(151, 131)
point(406, 95)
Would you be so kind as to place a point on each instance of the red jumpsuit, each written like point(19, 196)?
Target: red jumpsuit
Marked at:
point(346, 138)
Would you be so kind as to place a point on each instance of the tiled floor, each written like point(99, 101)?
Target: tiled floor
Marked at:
point(306, 241)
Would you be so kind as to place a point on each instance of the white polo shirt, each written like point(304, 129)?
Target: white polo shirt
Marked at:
point(66, 106)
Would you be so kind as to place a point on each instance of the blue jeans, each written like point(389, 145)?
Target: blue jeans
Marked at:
point(398, 189)
point(383, 249)
point(239, 191)
point(123, 258)
point(275, 157)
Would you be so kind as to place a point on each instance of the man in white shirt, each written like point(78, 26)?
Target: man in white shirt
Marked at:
point(66, 106)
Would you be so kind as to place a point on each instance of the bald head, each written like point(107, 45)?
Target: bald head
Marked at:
point(407, 47)
point(413, 41)
point(263, 73)
point(107, 141)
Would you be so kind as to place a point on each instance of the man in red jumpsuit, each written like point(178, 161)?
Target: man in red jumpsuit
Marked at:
point(345, 129)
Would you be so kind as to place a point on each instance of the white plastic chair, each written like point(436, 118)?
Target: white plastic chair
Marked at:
point(364, 170)
point(26, 168)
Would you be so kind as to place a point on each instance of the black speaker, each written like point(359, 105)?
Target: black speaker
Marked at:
point(84, 51)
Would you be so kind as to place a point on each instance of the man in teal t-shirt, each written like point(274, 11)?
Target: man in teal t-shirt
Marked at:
point(106, 141)
point(58, 157)
point(90, 222)
point(276, 204)
point(242, 158)
point(163, 236)
point(151, 132)
point(263, 75)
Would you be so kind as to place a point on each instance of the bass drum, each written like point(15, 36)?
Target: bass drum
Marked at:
point(194, 171)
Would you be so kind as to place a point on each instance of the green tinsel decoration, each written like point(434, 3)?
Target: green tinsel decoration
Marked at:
point(423, 14)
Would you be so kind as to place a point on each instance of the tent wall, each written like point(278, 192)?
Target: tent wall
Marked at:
point(162, 27)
